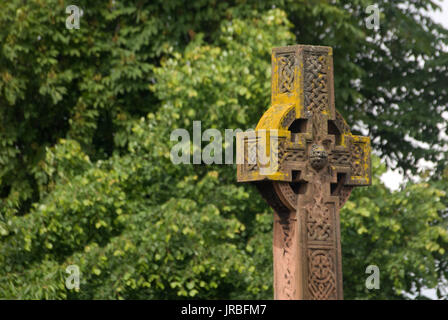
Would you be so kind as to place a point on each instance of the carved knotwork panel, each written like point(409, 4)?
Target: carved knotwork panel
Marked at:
point(316, 82)
point(262, 155)
point(360, 161)
point(340, 158)
point(286, 70)
point(321, 274)
point(295, 155)
point(319, 223)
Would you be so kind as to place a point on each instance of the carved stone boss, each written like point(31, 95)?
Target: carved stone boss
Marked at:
point(311, 162)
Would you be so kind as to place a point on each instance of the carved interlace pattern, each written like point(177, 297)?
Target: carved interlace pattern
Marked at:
point(319, 217)
point(315, 82)
point(340, 158)
point(322, 278)
point(250, 156)
point(319, 226)
point(319, 220)
point(286, 64)
point(295, 155)
point(256, 159)
point(278, 153)
point(287, 243)
point(357, 159)
point(286, 190)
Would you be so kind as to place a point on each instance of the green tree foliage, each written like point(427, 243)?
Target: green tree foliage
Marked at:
point(85, 122)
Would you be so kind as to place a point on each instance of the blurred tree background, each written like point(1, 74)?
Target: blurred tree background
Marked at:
point(85, 122)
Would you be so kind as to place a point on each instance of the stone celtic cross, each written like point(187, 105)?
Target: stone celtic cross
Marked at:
point(311, 162)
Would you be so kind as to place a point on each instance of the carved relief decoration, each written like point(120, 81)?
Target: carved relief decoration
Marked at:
point(286, 72)
point(316, 90)
point(322, 278)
